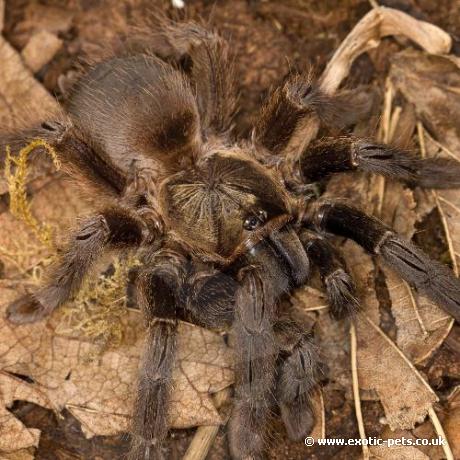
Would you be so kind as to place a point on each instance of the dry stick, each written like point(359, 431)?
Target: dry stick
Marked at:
point(421, 139)
point(394, 122)
point(385, 130)
point(323, 415)
point(378, 23)
point(440, 431)
point(205, 435)
point(356, 397)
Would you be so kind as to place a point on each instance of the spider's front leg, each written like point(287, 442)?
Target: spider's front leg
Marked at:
point(332, 155)
point(210, 298)
point(114, 228)
point(256, 353)
point(339, 285)
point(431, 278)
point(160, 297)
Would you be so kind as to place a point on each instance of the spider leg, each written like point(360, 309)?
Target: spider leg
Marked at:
point(159, 295)
point(114, 228)
point(205, 58)
point(286, 116)
point(339, 285)
point(211, 298)
point(94, 170)
point(212, 305)
point(430, 277)
point(255, 361)
point(298, 373)
point(333, 155)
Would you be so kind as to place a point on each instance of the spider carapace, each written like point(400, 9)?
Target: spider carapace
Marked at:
point(224, 227)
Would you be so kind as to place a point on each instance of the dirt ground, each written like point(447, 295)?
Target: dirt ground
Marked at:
point(269, 38)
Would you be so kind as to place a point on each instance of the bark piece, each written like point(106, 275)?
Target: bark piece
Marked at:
point(40, 49)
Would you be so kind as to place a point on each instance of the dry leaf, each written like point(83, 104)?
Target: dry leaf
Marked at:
point(384, 452)
point(37, 17)
point(432, 85)
point(58, 205)
point(13, 434)
point(22, 100)
point(20, 93)
point(22, 454)
point(421, 325)
point(397, 453)
point(398, 208)
point(404, 394)
point(99, 392)
point(426, 430)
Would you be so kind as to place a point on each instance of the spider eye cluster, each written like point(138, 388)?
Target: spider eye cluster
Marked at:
point(255, 220)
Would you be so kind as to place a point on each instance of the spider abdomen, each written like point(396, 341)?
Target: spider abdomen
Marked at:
point(136, 107)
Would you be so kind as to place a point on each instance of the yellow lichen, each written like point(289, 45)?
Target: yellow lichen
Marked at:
point(17, 178)
point(98, 309)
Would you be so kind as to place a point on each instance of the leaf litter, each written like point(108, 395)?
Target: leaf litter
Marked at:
point(66, 369)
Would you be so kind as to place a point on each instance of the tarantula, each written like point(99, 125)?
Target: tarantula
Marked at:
point(226, 228)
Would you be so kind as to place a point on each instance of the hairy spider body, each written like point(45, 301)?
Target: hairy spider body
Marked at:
point(225, 229)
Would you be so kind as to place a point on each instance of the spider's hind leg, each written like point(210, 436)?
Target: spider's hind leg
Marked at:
point(205, 58)
point(95, 172)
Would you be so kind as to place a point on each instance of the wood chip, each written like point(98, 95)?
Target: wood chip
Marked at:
point(40, 49)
